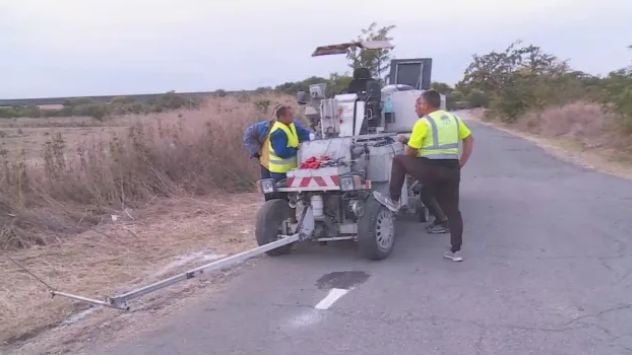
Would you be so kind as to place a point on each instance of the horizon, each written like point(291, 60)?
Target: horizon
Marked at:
point(117, 48)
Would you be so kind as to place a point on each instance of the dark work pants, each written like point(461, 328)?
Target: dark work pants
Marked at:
point(429, 200)
point(443, 182)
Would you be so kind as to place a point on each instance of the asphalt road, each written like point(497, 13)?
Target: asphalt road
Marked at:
point(547, 271)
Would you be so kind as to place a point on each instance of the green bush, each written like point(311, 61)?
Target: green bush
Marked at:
point(20, 111)
point(617, 93)
point(521, 79)
point(336, 84)
point(96, 110)
point(117, 106)
point(168, 101)
point(8, 112)
point(477, 98)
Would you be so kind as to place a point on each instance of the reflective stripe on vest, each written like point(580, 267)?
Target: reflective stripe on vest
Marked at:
point(442, 142)
point(279, 165)
point(264, 159)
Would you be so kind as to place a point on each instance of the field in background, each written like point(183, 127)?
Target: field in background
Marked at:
point(92, 205)
point(60, 176)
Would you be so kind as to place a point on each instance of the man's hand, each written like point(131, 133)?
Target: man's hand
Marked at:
point(402, 138)
point(410, 151)
point(468, 146)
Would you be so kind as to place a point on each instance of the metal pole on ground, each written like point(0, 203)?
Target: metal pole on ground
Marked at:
point(120, 301)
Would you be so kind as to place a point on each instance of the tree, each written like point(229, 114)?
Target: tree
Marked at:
point(337, 83)
point(496, 71)
point(442, 88)
point(518, 79)
point(376, 60)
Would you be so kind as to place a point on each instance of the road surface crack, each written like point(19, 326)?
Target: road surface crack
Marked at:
point(599, 314)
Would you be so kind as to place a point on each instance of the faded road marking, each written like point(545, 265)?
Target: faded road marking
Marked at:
point(334, 295)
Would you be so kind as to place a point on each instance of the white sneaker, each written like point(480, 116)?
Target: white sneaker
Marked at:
point(454, 256)
point(386, 201)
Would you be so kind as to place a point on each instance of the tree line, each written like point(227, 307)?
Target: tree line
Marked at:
point(98, 109)
point(524, 78)
point(510, 82)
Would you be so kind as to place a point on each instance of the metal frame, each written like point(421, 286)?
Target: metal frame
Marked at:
point(425, 73)
point(120, 301)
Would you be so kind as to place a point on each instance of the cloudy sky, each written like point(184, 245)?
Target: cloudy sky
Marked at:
point(90, 47)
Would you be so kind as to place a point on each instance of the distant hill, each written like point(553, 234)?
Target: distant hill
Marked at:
point(104, 98)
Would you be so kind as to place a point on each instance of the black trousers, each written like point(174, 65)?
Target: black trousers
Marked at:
point(429, 200)
point(443, 182)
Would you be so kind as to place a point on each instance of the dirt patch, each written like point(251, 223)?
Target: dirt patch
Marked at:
point(133, 249)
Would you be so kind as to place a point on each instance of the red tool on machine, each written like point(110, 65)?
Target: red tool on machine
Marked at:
point(315, 162)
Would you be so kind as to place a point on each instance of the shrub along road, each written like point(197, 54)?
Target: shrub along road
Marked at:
point(548, 270)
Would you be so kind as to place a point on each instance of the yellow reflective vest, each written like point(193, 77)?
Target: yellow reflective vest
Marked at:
point(277, 164)
point(442, 140)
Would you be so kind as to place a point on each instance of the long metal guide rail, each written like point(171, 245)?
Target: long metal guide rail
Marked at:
point(120, 301)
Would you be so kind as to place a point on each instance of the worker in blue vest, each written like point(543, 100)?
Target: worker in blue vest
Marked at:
point(433, 157)
point(283, 143)
point(257, 143)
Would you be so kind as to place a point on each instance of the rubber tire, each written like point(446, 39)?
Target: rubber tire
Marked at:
point(367, 237)
point(269, 219)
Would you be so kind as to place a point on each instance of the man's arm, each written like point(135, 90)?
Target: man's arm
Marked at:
point(468, 147)
point(468, 141)
point(408, 150)
point(303, 133)
point(411, 151)
point(279, 142)
point(414, 143)
point(251, 142)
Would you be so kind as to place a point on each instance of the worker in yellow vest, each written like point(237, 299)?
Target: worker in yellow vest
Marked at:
point(434, 158)
point(283, 143)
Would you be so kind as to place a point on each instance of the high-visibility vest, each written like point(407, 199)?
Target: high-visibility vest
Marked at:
point(442, 140)
point(264, 154)
point(277, 164)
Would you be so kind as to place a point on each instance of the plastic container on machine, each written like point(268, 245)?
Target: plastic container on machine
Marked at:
point(378, 171)
point(317, 206)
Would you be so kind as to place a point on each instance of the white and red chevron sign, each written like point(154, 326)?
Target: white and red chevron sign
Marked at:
point(325, 182)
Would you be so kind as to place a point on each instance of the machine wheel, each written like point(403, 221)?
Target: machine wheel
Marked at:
point(269, 224)
point(376, 231)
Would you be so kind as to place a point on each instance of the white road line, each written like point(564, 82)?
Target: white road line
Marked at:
point(333, 296)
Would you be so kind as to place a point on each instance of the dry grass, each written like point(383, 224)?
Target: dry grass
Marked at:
point(124, 254)
point(588, 125)
point(60, 183)
point(169, 178)
point(582, 133)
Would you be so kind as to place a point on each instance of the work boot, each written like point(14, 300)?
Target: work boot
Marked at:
point(454, 256)
point(386, 201)
point(437, 227)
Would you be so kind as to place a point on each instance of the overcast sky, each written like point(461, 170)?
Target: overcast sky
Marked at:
point(90, 47)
